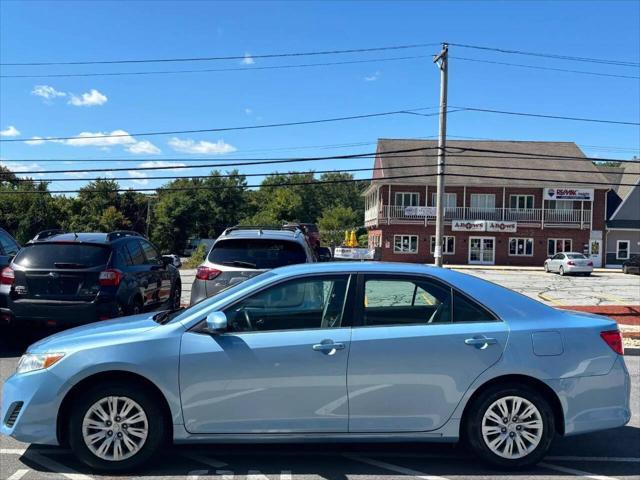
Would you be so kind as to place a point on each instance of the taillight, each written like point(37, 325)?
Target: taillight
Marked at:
point(207, 273)
point(110, 278)
point(613, 338)
point(7, 276)
point(571, 263)
point(590, 264)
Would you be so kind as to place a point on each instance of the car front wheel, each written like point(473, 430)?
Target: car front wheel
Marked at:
point(510, 427)
point(115, 428)
point(562, 271)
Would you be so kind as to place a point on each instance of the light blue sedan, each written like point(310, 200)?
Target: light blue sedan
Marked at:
point(326, 351)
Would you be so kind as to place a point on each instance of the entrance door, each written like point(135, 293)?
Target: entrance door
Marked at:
point(482, 250)
point(595, 252)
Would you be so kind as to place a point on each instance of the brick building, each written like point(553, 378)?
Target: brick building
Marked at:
point(494, 213)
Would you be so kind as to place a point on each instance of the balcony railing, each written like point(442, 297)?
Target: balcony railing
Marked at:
point(398, 213)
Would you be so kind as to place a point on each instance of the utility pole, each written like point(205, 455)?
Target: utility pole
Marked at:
point(443, 63)
point(148, 214)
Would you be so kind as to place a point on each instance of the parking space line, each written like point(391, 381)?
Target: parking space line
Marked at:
point(18, 474)
point(573, 471)
point(12, 451)
point(394, 468)
point(595, 459)
point(55, 467)
point(549, 299)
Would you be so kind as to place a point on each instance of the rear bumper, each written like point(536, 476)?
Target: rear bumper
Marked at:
point(23, 313)
point(577, 269)
point(201, 289)
point(595, 402)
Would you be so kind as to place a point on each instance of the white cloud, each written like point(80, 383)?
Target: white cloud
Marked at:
point(20, 168)
point(47, 92)
point(248, 111)
point(10, 131)
point(76, 174)
point(201, 147)
point(143, 147)
point(373, 77)
point(248, 59)
point(161, 163)
point(140, 177)
point(35, 141)
point(100, 139)
point(89, 99)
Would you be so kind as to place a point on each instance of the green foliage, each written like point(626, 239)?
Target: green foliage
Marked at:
point(197, 257)
point(335, 221)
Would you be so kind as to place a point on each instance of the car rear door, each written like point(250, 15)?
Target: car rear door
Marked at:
point(140, 273)
point(158, 273)
point(281, 366)
point(416, 349)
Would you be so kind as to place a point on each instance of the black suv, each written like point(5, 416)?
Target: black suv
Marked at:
point(68, 279)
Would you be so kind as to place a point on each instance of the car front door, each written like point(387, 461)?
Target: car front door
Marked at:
point(281, 366)
point(416, 349)
point(556, 262)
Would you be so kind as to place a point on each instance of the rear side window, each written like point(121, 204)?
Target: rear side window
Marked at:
point(257, 253)
point(465, 310)
point(62, 255)
point(7, 245)
point(135, 252)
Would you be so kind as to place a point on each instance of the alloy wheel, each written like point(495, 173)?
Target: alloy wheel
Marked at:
point(512, 427)
point(115, 428)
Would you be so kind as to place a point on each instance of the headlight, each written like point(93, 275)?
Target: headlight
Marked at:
point(37, 361)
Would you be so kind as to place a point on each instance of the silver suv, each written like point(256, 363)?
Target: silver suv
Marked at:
point(242, 252)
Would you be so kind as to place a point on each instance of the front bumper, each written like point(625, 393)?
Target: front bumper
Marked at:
point(595, 402)
point(36, 422)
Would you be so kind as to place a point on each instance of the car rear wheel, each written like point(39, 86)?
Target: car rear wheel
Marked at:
point(114, 427)
point(176, 295)
point(510, 427)
point(562, 270)
point(135, 307)
point(625, 269)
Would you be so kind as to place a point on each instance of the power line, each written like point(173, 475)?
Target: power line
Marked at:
point(306, 172)
point(537, 67)
point(556, 117)
point(551, 55)
point(232, 57)
point(211, 70)
point(224, 129)
point(318, 182)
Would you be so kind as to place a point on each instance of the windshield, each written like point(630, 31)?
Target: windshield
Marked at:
point(205, 303)
point(259, 253)
point(62, 255)
point(575, 255)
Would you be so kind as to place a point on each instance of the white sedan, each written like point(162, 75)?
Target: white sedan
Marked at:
point(569, 262)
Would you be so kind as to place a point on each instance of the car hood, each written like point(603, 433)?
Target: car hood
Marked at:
point(93, 333)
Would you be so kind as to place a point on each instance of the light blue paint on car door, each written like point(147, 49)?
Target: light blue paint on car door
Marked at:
point(411, 378)
point(278, 381)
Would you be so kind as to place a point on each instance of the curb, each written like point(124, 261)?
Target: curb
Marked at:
point(632, 351)
point(508, 268)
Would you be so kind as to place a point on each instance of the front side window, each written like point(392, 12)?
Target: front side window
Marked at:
point(405, 302)
point(555, 245)
point(448, 244)
point(300, 304)
point(406, 199)
point(521, 202)
point(484, 201)
point(521, 247)
point(8, 246)
point(405, 244)
point(622, 250)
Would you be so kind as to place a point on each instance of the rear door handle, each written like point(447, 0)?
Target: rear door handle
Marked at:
point(328, 347)
point(480, 342)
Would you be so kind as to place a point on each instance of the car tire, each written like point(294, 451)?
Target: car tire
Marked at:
point(561, 271)
point(625, 270)
point(87, 423)
point(546, 267)
point(515, 444)
point(176, 294)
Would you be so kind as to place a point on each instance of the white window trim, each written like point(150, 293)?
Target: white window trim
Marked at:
point(628, 242)
point(446, 195)
point(432, 242)
point(556, 240)
point(406, 235)
point(395, 198)
point(525, 247)
point(484, 196)
point(533, 201)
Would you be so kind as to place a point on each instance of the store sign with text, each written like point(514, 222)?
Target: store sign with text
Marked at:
point(498, 226)
point(468, 225)
point(420, 211)
point(568, 193)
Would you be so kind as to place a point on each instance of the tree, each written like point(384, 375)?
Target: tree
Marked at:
point(335, 221)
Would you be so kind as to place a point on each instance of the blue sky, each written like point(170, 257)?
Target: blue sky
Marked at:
point(68, 31)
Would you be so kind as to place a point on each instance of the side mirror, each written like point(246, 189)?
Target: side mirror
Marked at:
point(324, 254)
point(216, 322)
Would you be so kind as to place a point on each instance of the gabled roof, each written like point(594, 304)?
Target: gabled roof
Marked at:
point(631, 175)
point(478, 164)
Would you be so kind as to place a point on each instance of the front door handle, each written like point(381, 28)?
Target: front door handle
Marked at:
point(328, 346)
point(480, 342)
